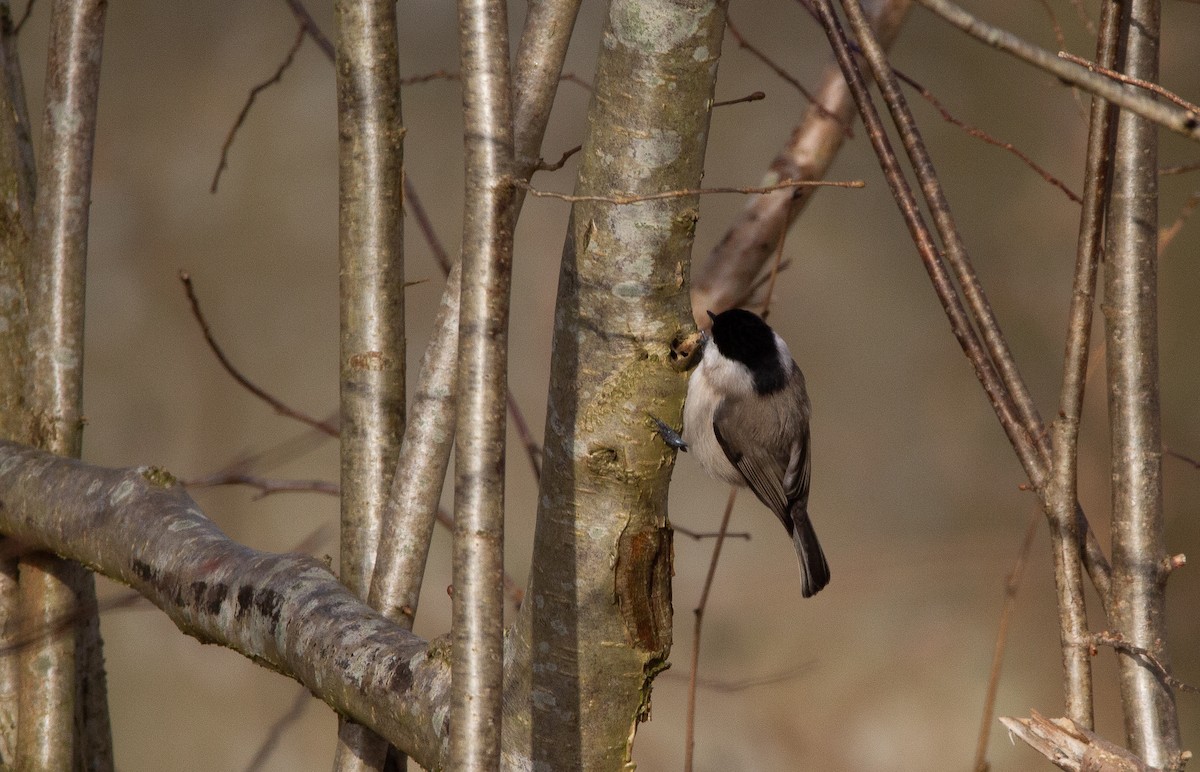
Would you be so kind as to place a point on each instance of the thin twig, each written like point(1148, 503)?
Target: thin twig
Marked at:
point(1011, 585)
point(254, 92)
point(300, 703)
point(309, 25)
point(1194, 166)
point(757, 53)
point(413, 203)
point(987, 350)
point(24, 17)
point(735, 685)
point(773, 275)
point(1119, 643)
point(553, 167)
point(690, 739)
point(1059, 37)
point(266, 486)
point(533, 451)
point(1180, 121)
point(701, 535)
point(280, 408)
point(571, 77)
point(1139, 82)
point(1062, 494)
point(751, 97)
point(1168, 234)
point(427, 77)
point(636, 199)
point(980, 134)
point(1084, 19)
point(1186, 459)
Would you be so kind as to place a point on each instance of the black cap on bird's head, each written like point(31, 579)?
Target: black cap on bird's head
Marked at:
point(743, 335)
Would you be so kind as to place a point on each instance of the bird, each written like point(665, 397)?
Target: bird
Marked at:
point(746, 420)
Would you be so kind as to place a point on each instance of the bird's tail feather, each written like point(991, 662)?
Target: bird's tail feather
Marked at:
point(814, 571)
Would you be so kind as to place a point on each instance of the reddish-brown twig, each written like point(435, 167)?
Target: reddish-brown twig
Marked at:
point(299, 704)
point(266, 486)
point(758, 54)
point(751, 97)
point(1181, 457)
point(309, 25)
point(24, 17)
point(246, 383)
point(553, 167)
point(1011, 585)
point(254, 92)
point(427, 77)
point(1170, 96)
point(1168, 234)
point(690, 740)
point(1148, 658)
point(701, 535)
point(982, 135)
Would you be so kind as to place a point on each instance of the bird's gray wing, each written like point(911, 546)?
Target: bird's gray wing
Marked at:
point(755, 462)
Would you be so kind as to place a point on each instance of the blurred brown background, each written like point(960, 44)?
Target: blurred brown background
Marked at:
point(915, 491)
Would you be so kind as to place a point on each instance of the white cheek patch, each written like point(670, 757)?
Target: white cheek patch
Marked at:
point(727, 377)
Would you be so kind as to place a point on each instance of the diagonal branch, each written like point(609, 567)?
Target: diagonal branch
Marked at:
point(987, 350)
point(286, 612)
point(727, 276)
point(280, 407)
point(1178, 120)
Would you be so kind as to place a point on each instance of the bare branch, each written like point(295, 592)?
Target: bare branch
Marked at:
point(1139, 82)
point(254, 92)
point(980, 134)
point(280, 407)
point(697, 624)
point(753, 96)
point(18, 180)
point(1067, 526)
point(300, 703)
point(286, 612)
point(1011, 585)
point(701, 535)
point(729, 276)
point(637, 199)
point(1181, 122)
point(758, 54)
point(309, 25)
point(553, 167)
point(266, 486)
point(1148, 658)
point(24, 17)
point(988, 351)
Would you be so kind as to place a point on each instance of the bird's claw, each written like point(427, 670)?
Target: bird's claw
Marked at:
point(669, 435)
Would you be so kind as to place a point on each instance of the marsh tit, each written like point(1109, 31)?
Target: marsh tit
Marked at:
point(746, 421)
